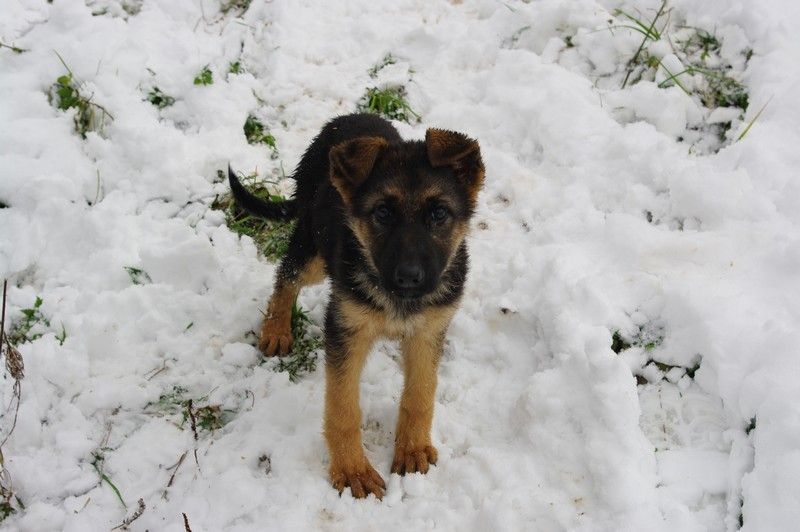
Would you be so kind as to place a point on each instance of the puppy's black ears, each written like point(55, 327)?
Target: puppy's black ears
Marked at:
point(459, 152)
point(352, 161)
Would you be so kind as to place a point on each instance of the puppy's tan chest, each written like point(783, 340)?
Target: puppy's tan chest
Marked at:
point(380, 324)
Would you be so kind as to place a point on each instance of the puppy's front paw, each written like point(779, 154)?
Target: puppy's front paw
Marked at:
point(408, 459)
point(362, 480)
point(276, 338)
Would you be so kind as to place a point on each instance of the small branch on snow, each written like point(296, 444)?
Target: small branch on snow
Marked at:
point(133, 517)
point(186, 523)
point(193, 421)
point(14, 365)
point(175, 467)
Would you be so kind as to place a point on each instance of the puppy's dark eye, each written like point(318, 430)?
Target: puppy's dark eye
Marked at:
point(382, 214)
point(439, 214)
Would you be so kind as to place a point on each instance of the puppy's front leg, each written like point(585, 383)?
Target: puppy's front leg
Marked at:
point(346, 349)
point(413, 451)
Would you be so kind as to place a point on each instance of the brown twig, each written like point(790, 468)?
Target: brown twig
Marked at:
point(3, 318)
point(176, 467)
point(186, 523)
point(193, 421)
point(248, 393)
point(14, 365)
point(133, 517)
point(156, 371)
point(16, 368)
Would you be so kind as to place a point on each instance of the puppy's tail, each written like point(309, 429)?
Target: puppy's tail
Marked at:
point(271, 210)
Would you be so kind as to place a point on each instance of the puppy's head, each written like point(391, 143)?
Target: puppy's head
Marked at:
point(409, 204)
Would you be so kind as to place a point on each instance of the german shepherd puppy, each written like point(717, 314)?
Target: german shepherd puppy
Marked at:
point(386, 220)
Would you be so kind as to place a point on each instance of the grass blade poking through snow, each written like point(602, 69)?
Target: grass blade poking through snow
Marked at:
point(303, 357)
point(68, 93)
point(673, 78)
point(389, 102)
point(648, 35)
point(159, 99)
point(204, 77)
point(753, 121)
point(98, 458)
point(14, 49)
point(138, 275)
point(256, 133)
point(28, 329)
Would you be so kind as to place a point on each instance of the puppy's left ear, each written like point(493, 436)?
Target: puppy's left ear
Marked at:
point(461, 153)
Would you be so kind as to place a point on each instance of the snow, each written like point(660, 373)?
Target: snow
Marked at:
point(595, 218)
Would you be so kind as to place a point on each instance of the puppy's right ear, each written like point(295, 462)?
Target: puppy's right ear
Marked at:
point(352, 161)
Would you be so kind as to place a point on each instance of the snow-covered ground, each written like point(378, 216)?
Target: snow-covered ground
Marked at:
point(605, 210)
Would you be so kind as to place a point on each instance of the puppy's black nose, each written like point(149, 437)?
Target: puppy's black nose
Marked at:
point(409, 275)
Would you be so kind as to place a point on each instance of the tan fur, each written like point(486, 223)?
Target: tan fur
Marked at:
point(313, 273)
point(421, 353)
point(342, 426)
point(421, 339)
point(460, 231)
point(276, 331)
point(361, 233)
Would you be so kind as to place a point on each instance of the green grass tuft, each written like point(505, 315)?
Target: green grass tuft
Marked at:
point(169, 402)
point(235, 67)
point(256, 133)
point(68, 93)
point(648, 337)
point(27, 329)
point(727, 92)
point(209, 417)
point(174, 402)
point(271, 237)
point(159, 99)
point(204, 77)
point(703, 75)
point(62, 336)
point(137, 275)
point(303, 357)
point(389, 102)
point(5, 510)
point(618, 343)
point(238, 5)
point(387, 60)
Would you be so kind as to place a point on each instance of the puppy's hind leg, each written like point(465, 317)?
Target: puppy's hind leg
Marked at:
point(301, 266)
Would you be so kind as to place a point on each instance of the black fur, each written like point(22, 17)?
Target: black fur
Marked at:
point(324, 226)
point(271, 210)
